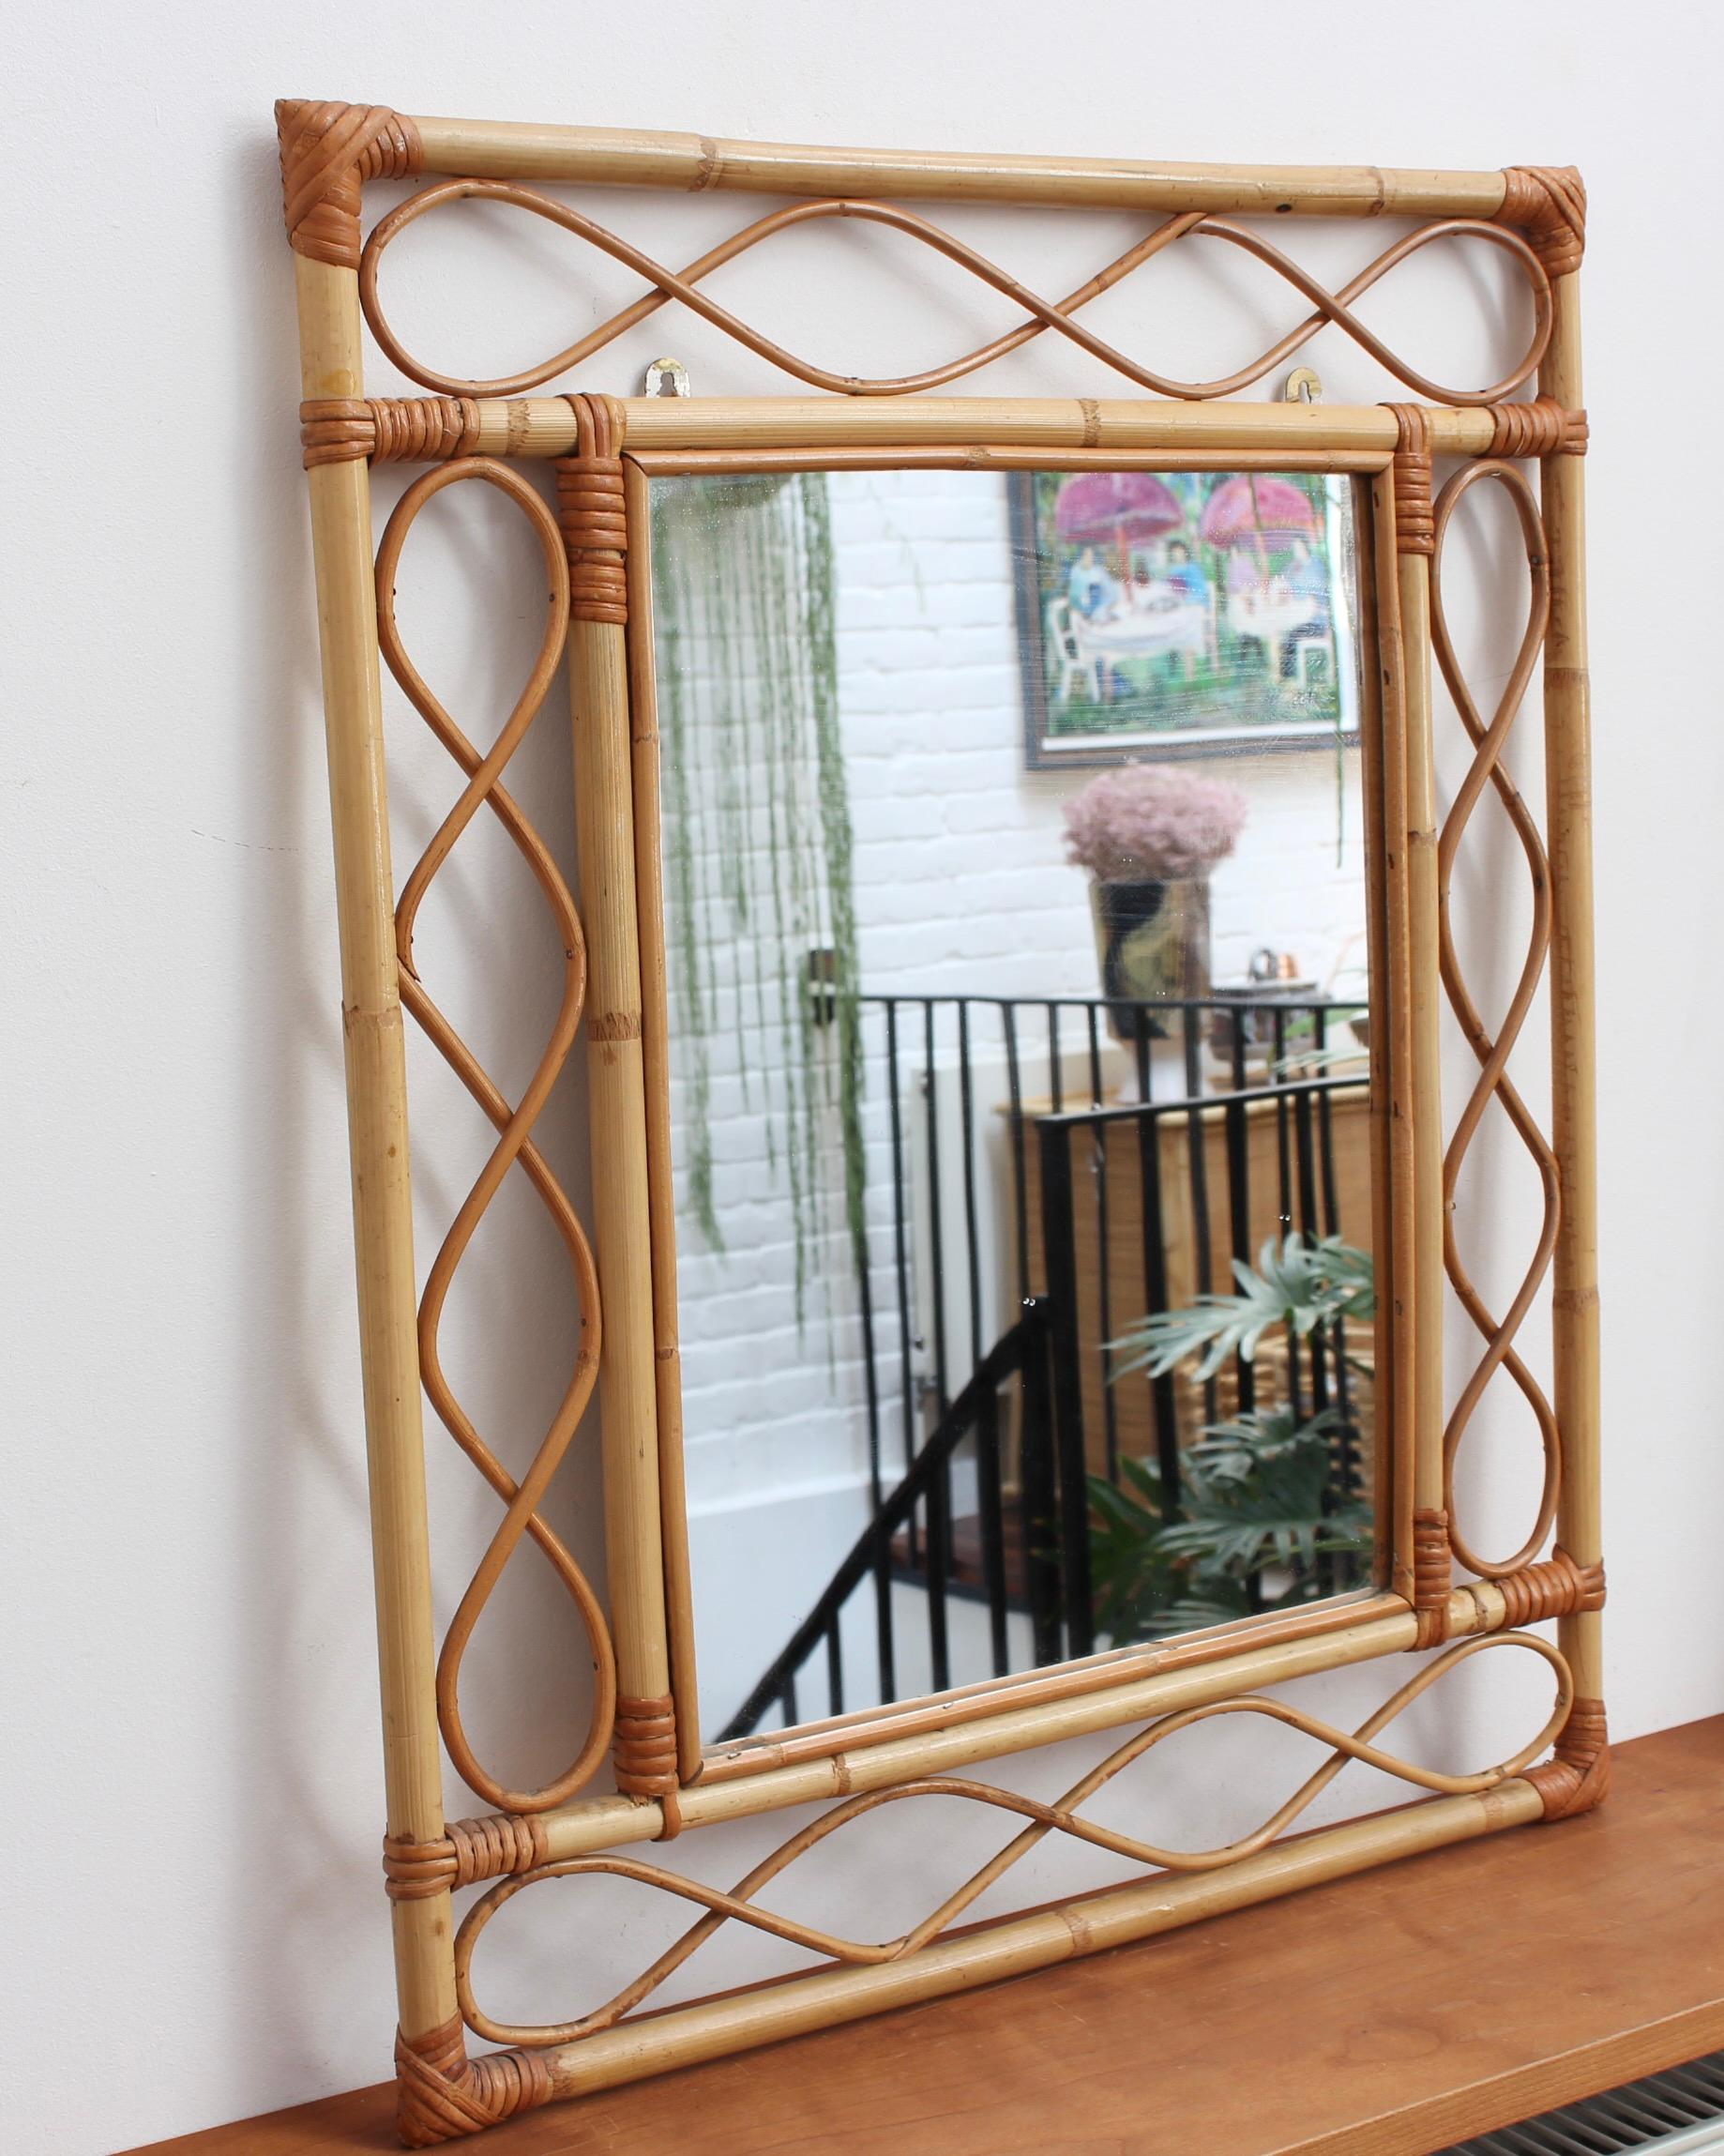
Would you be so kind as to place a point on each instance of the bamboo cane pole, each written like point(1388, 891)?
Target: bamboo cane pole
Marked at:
point(1420, 1359)
point(664, 463)
point(330, 364)
point(1417, 1271)
point(1424, 1004)
point(1568, 784)
point(626, 157)
point(688, 2035)
point(607, 1822)
point(656, 1056)
point(1107, 1670)
point(604, 823)
point(545, 426)
point(1382, 739)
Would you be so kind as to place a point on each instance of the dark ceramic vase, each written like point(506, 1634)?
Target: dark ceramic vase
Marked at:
point(1153, 940)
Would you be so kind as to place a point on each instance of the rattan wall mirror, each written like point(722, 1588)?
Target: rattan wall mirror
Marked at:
point(1105, 1284)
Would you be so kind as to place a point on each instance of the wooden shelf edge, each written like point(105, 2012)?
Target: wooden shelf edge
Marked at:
point(1541, 2086)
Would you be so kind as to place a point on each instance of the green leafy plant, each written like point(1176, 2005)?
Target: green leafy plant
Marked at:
point(1260, 1520)
point(1139, 1591)
point(1299, 1285)
point(1305, 1061)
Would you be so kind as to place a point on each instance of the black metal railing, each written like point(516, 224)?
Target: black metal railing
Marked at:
point(993, 1334)
point(1088, 1389)
point(927, 1490)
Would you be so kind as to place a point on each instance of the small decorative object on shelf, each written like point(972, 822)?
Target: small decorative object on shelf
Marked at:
point(1149, 836)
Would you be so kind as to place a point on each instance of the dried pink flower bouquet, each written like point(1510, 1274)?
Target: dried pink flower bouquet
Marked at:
point(1152, 823)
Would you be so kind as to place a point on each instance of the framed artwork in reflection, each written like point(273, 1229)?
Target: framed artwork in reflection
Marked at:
point(1182, 614)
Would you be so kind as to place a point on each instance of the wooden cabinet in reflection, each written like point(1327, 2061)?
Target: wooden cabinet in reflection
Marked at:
point(1212, 1181)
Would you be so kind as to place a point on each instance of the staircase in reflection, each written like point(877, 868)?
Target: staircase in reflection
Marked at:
point(1059, 1170)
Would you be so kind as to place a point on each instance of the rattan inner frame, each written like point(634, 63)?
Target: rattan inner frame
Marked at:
point(986, 1703)
point(607, 448)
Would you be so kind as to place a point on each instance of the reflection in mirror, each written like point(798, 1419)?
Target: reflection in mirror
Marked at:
point(1016, 919)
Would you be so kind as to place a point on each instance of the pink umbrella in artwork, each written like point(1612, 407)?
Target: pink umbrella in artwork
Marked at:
point(1124, 509)
point(1252, 504)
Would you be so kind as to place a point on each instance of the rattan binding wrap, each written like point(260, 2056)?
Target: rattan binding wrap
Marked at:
point(1431, 1571)
point(335, 431)
point(646, 1747)
point(472, 1850)
point(442, 2094)
point(387, 430)
point(1552, 1589)
point(1542, 428)
point(328, 151)
point(1580, 1775)
point(1548, 203)
point(591, 511)
point(1414, 526)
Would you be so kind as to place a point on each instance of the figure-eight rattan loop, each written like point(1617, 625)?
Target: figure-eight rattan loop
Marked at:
point(1061, 1817)
point(1042, 314)
point(1493, 1083)
point(514, 1147)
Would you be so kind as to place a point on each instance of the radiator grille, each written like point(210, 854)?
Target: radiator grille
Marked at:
point(1680, 2112)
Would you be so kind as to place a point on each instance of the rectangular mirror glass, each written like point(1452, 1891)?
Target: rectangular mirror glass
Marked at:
point(1016, 867)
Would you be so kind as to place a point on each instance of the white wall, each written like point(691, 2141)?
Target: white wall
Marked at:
point(191, 1785)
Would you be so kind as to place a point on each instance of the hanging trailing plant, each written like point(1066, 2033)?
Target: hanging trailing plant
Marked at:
point(758, 840)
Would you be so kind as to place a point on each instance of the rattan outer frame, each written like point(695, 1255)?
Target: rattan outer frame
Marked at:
point(607, 450)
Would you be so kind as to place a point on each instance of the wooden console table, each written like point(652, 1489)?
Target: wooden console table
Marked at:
point(1386, 2014)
